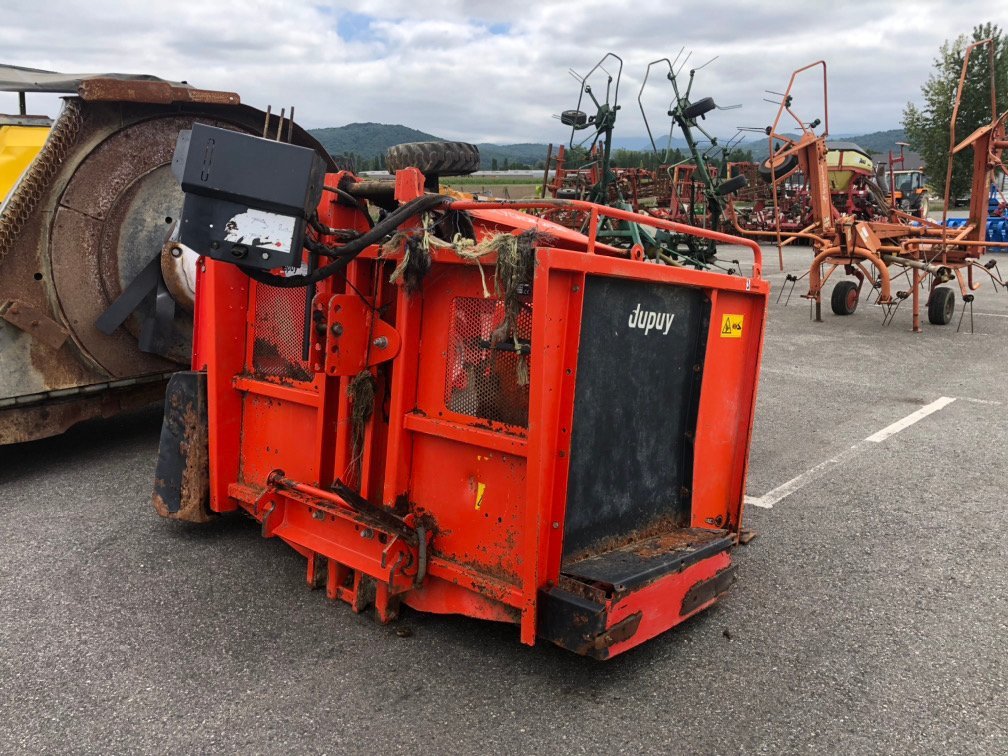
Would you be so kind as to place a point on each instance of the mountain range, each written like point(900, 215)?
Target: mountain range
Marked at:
point(368, 142)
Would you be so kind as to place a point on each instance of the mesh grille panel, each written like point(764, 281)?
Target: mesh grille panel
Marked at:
point(491, 384)
point(277, 333)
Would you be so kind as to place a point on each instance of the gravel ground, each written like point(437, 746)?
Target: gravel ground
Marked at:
point(870, 614)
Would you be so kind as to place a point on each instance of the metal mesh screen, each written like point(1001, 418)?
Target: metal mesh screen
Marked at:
point(484, 382)
point(277, 333)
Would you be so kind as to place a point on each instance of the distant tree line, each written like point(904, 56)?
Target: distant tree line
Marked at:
point(621, 158)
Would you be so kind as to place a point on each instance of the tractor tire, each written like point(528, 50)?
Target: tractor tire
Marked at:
point(699, 108)
point(941, 306)
point(923, 207)
point(844, 299)
point(786, 166)
point(434, 158)
point(573, 118)
point(732, 185)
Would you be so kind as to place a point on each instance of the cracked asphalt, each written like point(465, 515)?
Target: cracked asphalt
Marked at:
point(870, 616)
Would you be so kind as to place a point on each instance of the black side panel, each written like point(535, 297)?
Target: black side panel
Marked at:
point(182, 476)
point(635, 402)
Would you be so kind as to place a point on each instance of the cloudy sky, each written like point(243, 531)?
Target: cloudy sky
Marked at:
point(496, 71)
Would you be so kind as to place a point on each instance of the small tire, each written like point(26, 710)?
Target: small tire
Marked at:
point(434, 158)
point(923, 207)
point(732, 185)
point(941, 306)
point(574, 118)
point(699, 108)
point(844, 298)
point(768, 170)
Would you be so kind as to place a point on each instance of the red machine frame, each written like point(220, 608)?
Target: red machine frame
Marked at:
point(464, 502)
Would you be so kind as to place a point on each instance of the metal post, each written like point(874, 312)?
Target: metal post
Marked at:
point(916, 300)
point(21, 103)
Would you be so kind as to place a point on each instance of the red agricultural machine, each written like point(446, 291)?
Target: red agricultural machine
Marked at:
point(457, 406)
point(867, 238)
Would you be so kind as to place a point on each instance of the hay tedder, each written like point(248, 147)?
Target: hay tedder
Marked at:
point(869, 238)
point(692, 192)
point(457, 406)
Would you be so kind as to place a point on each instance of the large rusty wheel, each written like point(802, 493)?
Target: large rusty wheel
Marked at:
point(95, 208)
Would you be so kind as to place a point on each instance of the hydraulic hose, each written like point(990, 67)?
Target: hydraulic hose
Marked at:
point(349, 251)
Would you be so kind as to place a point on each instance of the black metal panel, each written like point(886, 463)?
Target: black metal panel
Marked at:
point(635, 403)
point(641, 563)
point(182, 473)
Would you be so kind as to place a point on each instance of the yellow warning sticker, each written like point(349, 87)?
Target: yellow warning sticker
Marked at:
point(731, 326)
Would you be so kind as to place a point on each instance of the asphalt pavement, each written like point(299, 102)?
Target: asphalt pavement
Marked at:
point(870, 615)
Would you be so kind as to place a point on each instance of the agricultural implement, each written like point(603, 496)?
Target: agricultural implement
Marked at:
point(701, 186)
point(95, 295)
point(907, 187)
point(671, 192)
point(461, 408)
point(926, 253)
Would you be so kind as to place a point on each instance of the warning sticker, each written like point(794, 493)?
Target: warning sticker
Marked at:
point(731, 326)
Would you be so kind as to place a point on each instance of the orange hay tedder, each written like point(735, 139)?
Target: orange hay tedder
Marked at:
point(457, 406)
point(869, 243)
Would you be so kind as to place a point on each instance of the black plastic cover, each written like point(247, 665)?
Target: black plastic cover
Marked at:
point(246, 198)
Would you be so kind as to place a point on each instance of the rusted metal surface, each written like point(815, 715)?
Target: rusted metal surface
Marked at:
point(54, 414)
point(94, 208)
point(706, 591)
point(34, 322)
point(155, 92)
point(182, 478)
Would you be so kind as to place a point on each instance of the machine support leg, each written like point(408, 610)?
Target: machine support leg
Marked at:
point(916, 300)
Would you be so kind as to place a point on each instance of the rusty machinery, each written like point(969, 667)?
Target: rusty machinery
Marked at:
point(460, 407)
point(95, 296)
point(925, 252)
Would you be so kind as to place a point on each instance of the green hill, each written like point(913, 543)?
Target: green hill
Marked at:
point(367, 141)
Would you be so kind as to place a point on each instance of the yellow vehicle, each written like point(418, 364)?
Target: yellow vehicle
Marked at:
point(21, 139)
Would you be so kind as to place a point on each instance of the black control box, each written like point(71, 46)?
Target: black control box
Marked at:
point(247, 199)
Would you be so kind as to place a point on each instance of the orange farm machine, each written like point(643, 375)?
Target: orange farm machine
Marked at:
point(875, 242)
point(458, 406)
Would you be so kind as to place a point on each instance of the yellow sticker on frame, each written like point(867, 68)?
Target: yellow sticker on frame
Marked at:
point(731, 326)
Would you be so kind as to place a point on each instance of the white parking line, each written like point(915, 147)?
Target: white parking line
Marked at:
point(767, 500)
point(913, 417)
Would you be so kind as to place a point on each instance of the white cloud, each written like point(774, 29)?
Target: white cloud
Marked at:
point(494, 71)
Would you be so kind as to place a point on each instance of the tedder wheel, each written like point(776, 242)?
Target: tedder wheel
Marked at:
point(781, 167)
point(732, 185)
point(434, 158)
point(699, 108)
point(844, 298)
point(573, 118)
point(941, 305)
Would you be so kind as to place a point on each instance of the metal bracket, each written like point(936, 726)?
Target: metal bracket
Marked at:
point(35, 323)
point(355, 337)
